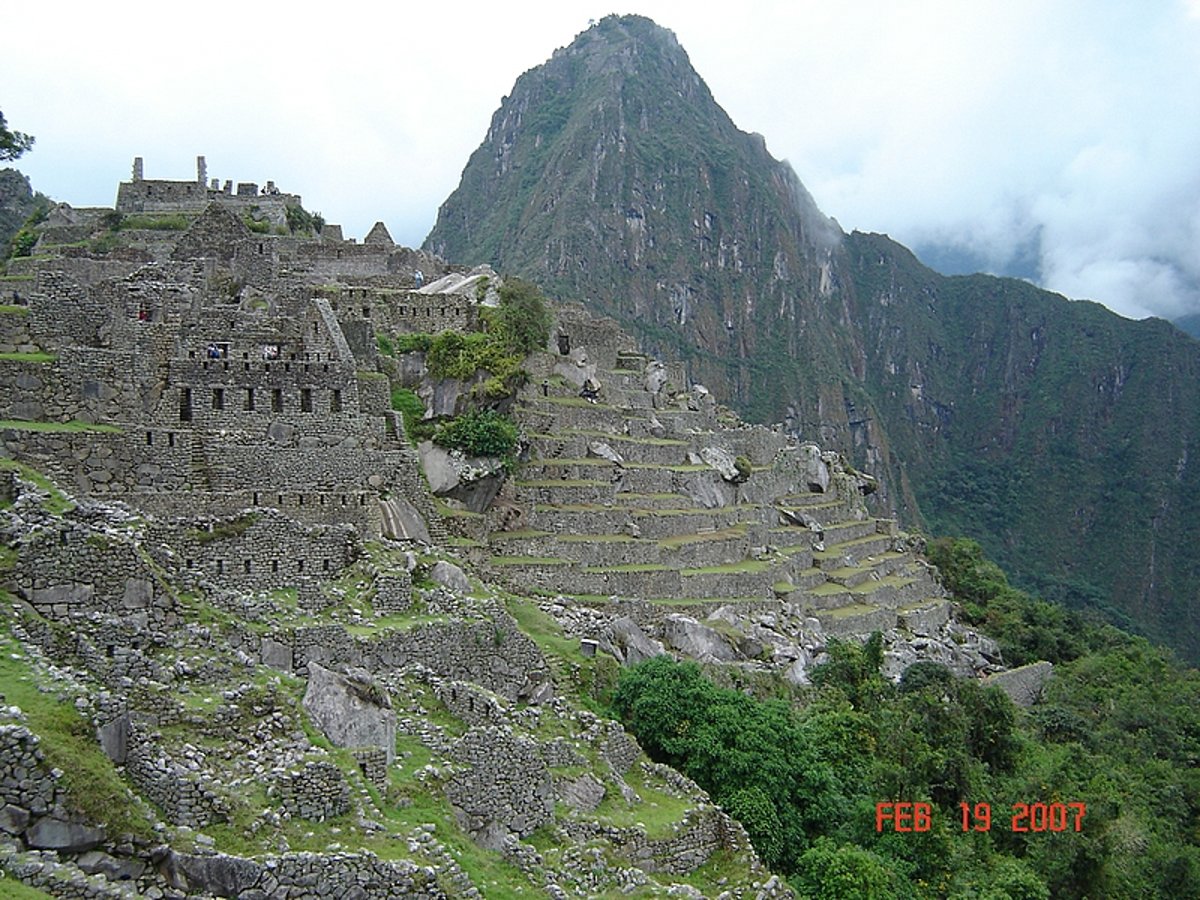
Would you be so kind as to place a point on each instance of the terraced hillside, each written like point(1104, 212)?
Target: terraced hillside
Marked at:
point(652, 503)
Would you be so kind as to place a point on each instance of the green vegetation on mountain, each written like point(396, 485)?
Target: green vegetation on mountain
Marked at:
point(1117, 731)
point(1061, 436)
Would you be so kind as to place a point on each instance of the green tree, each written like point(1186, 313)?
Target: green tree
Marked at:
point(12, 143)
point(522, 318)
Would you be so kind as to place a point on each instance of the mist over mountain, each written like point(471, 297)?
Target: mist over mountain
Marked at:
point(1059, 434)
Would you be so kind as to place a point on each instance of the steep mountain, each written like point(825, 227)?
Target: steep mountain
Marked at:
point(1189, 323)
point(612, 175)
point(1060, 435)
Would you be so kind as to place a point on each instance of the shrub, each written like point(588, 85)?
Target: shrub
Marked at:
point(480, 433)
point(744, 468)
point(413, 343)
point(522, 320)
point(23, 242)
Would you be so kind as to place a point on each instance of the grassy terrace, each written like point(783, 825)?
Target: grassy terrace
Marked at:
point(744, 567)
point(74, 427)
point(610, 438)
point(628, 567)
point(724, 534)
point(870, 587)
point(528, 561)
point(29, 357)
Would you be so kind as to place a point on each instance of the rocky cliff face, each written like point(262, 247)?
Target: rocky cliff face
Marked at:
point(1060, 435)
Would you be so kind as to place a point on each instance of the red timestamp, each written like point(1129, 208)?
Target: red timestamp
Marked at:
point(1027, 817)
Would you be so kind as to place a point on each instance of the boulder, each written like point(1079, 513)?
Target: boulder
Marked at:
point(448, 575)
point(114, 738)
point(725, 463)
point(631, 643)
point(813, 470)
point(583, 793)
point(473, 480)
point(401, 521)
point(656, 376)
point(53, 833)
point(697, 641)
point(347, 714)
point(707, 491)
point(95, 862)
point(220, 875)
point(601, 450)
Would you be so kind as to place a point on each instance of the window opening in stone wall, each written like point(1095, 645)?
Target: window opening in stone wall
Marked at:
point(250, 399)
point(299, 565)
point(191, 563)
point(277, 400)
point(274, 567)
point(149, 438)
point(335, 401)
point(305, 399)
point(218, 398)
point(185, 404)
point(564, 344)
point(170, 439)
point(246, 565)
point(299, 499)
point(325, 565)
point(260, 249)
point(220, 567)
point(256, 498)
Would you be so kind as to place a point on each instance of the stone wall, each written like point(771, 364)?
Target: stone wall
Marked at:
point(318, 791)
point(402, 311)
point(503, 785)
point(494, 655)
point(74, 569)
point(177, 787)
point(258, 549)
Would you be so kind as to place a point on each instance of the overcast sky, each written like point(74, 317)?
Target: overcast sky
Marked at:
point(1069, 127)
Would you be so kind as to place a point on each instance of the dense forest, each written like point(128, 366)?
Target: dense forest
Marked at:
point(1092, 792)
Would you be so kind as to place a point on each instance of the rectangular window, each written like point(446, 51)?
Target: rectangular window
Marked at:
point(249, 399)
point(335, 401)
point(185, 404)
point(305, 399)
point(218, 398)
point(277, 400)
